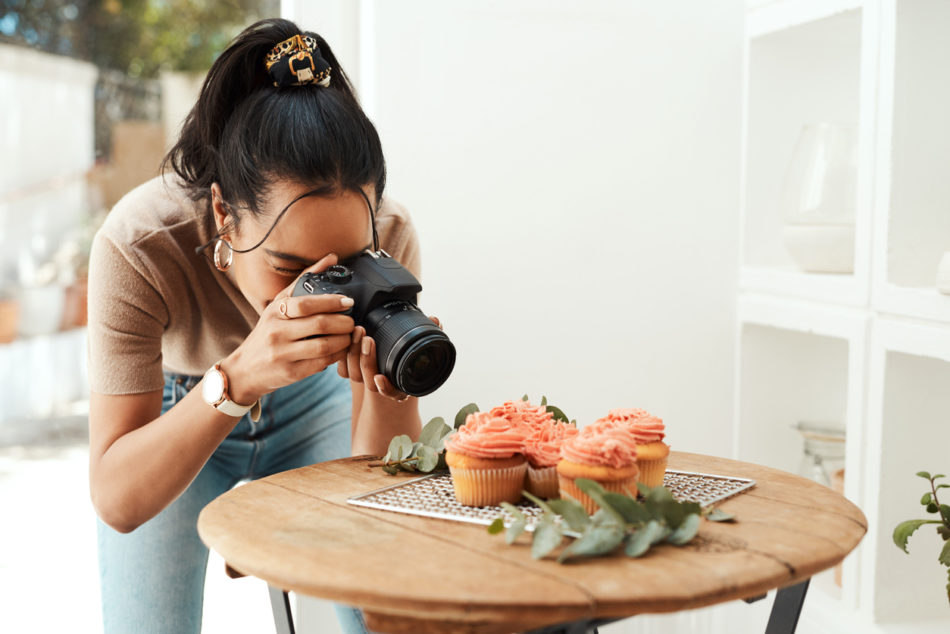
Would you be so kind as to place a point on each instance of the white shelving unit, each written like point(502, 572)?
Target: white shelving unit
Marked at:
point(869, 351)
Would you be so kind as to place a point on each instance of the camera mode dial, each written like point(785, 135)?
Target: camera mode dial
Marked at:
point(339, 274)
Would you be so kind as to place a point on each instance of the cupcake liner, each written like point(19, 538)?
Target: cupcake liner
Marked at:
point(652, 471)
point(542, 482)
point(568, 488)
point(488, 487)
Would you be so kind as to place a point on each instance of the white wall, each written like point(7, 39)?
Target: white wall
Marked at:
point(573, 172)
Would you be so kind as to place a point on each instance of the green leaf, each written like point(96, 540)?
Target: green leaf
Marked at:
point(640, 541)
point(573, 513)
point(541, 503)
point(945, 555)
point(463, 413)
point(945, 511)
point(517, 527)
point(525, 398)
point(497, 525)
point(547, 537)
point(434, 432)
point(632, 511)
point(596, 492)
point(686, 531)
point(390, 469)
point(944, 531)
point(943, 486)
point(938, 476)
point(428, 459)
point(596, 540)
point(400, 447)
point(557, 413)
point(904, 530)
point(924, 475)
point(718, 515)
point(643, 489)
point(544, 400)
point(927, 499)
point(932, 508)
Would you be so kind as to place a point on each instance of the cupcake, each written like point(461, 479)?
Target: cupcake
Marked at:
point(600, 452)
point(542, 450)
point(484, 457)
point(648, 432)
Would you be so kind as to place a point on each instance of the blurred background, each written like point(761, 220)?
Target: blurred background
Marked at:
point(732, 213)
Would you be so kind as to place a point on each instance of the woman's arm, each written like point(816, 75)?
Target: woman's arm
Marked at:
point(140, 462)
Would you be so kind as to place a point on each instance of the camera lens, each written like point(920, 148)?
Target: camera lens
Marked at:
point(410, 350)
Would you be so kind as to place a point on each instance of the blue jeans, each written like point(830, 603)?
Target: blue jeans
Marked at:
point(152, 579)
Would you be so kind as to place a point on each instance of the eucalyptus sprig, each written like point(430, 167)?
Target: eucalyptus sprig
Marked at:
point(931, 503)
point(555, 411)
point(621, 519)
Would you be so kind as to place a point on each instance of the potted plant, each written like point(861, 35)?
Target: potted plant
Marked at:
point(932, 504)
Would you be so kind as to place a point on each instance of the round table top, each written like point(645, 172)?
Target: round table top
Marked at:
point(296, 531)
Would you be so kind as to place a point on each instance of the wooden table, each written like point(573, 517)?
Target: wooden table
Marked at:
point(296, 531)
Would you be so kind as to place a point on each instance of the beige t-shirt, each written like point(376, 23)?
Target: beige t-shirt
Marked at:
point(154, 302)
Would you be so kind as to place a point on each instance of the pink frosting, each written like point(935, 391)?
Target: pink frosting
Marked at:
point(523, 412)
point(645, 427)
point(542, 447)
point(601, 444)
point(486, 436)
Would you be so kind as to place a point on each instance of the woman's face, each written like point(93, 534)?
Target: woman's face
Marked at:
point(312, 228)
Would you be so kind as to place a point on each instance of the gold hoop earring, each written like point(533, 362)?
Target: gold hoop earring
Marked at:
point(217, 255)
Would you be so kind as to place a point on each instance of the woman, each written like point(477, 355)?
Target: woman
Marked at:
point(203, 368)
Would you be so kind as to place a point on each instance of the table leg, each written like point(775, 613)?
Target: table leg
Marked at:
point(280, 604)
point(786, 609)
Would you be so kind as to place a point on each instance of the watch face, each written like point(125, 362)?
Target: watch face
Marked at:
point(212, 388)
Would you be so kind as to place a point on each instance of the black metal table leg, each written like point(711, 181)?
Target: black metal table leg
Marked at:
point(786, 609)
point(280, 604)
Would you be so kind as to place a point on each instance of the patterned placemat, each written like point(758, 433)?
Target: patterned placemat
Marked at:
point(434, 496)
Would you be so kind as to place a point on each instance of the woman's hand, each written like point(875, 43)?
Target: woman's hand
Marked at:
point(294, 338)
point(360, 363)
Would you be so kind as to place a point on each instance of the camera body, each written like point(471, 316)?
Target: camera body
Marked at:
point(411, 351)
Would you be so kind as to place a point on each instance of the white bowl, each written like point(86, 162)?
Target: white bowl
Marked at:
point(821, 248)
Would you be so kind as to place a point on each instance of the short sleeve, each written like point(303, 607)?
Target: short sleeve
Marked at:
point(398, 237)
point(127, 317)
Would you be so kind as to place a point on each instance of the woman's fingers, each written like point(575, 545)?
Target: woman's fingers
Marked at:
point(385, 387)
point(323, 324)
point(374, 381)
point(436, 321)
point(353, 355)
point(323, 263)
point(306, 305)
point(325, 348)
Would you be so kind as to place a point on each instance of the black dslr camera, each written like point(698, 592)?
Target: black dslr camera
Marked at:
point(413, 353)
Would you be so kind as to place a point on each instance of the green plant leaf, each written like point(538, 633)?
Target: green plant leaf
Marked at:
point(497, 525)
point(904, 530)
point(516, 527)
point(391, 470)
point(927, 499)
point(547, 536)
point(525, 398)
point(686, 531)
point(596, 540)
point(428, 459)
point(944, 531)
point(717, 515)
point(573, 513)
point(643, 489)
point(544, 400)
point(924, 475)
point(943, 486)
point(632, 511)
point(557, 413)
point(434, 432)
point(400, 447)
point(938, 476)
point(932, 508)
point(541, 503)
point(596, 492)
point(945, 511)
point(945, 554)
point(640, 541)
point(463, 413)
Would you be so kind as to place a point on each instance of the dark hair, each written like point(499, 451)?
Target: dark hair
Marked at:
point(244, 133)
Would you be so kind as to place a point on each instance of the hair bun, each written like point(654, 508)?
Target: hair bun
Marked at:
point(297, 62)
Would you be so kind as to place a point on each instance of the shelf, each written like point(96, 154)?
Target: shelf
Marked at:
point(908, 431)
point(803, 316)
point(817, 68)
point(770, 17)
point(838, 289)
point(785, 377)
point(913, 194)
